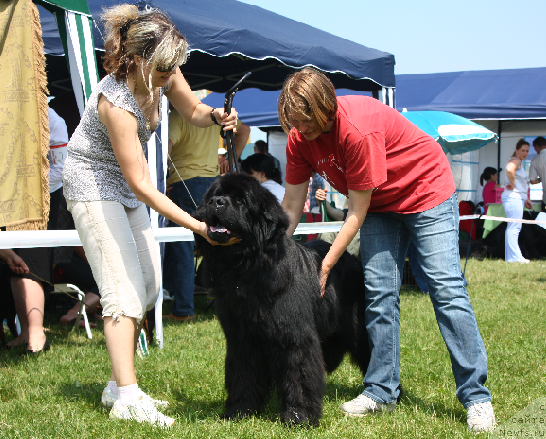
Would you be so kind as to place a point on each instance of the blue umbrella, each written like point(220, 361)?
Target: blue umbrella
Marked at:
point(454, 133)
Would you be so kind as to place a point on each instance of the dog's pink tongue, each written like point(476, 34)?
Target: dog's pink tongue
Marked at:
point(219, 229)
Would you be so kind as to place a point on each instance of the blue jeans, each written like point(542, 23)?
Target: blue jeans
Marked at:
point(179, 276)
point(384, 240)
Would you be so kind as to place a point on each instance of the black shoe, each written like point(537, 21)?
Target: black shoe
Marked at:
point(46, 347)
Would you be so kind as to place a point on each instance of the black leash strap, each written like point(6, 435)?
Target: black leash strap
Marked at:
point(228, 135)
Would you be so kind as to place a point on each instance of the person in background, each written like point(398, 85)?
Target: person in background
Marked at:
point(490, 176)
point(223, 162)
point(262, 168)
point(335, 214)
point(78, 272)
point(537, 170)
point(514, 199)
point(107, 185)
point(193, 167)
point(29, 285)
point(400, 189)
point(316, 183)
point(261, 147)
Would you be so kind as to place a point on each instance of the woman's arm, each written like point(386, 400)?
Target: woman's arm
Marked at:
point(122, 127)
point(359, 202)
point(192, 109)
point(293, 202)
point(511, 167)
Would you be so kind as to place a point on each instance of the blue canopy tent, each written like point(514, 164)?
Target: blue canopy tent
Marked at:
point(486, 94)
point(510, 102)
point(224, 46)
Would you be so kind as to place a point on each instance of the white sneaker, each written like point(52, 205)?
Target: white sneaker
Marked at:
point(142, 410)
point(480, 417)
point(524, 261)
point(108, 399)
point(362, 405)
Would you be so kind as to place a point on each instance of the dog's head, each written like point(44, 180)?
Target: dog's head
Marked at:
point(238, 206)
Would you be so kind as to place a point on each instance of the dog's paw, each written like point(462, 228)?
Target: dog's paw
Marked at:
point(298, 417)
point(236, 415)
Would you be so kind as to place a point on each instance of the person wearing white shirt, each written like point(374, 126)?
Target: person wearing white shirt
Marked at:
point(262, 167)
point(514, 199)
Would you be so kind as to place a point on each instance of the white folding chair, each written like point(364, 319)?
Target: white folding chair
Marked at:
point(71, 289)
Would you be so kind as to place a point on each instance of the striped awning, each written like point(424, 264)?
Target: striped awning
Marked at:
point(76, 30)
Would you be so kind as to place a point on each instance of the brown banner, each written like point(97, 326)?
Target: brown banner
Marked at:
point(24, 130)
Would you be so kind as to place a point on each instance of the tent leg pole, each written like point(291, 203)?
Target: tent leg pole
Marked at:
point(499, 149)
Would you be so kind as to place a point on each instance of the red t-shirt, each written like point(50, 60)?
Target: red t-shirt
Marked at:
point(372, 146)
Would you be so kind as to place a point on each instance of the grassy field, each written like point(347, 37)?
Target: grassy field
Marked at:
point(57, 395)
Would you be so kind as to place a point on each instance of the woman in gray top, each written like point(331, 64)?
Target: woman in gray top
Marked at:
point(106, 182)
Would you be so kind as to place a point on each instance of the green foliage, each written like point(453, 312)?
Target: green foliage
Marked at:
point(57, 395)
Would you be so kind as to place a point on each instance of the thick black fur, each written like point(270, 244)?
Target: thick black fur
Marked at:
point(280, 334)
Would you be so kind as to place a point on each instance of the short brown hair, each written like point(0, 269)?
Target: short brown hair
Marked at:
point(309, 93)
point(149, 34)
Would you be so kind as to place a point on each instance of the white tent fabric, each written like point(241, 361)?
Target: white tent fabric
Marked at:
point(81, 56)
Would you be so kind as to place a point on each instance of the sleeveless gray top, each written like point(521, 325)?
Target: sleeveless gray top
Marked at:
point(521, 184)
point(91, 171)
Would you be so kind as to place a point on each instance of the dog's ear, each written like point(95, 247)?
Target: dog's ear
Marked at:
point(273, 223)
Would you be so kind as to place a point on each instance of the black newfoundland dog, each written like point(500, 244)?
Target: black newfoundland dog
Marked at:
point(280, 333)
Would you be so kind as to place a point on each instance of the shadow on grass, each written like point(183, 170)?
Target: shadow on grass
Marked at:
point(90, 393)
point(12, 357)
point(202, 409)
point(204, 310)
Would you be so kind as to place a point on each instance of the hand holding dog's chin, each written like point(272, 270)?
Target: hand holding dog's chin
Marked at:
point(231, 241)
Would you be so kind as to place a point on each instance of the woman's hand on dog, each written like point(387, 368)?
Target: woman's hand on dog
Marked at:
point(232, 241)
point(203, 232)
point(323, 278)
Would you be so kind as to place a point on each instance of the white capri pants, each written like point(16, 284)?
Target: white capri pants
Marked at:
point(120, 247)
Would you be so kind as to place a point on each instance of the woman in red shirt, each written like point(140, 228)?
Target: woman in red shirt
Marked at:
point(400, 188)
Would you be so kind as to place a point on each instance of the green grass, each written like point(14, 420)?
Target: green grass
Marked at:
point(57, 395)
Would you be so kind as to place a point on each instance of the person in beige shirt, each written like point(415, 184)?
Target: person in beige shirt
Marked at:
point(193, 167)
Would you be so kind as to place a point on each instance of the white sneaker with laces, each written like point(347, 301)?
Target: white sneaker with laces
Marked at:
point(142, 410)
point(108, 399)
point(480, 417)
point(363, 405)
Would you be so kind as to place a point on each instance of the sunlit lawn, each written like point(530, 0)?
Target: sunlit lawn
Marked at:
point(57, 395)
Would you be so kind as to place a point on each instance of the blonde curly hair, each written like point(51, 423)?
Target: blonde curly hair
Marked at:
point(149, 34)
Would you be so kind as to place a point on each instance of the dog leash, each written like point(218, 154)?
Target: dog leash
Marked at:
point(37, 277)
